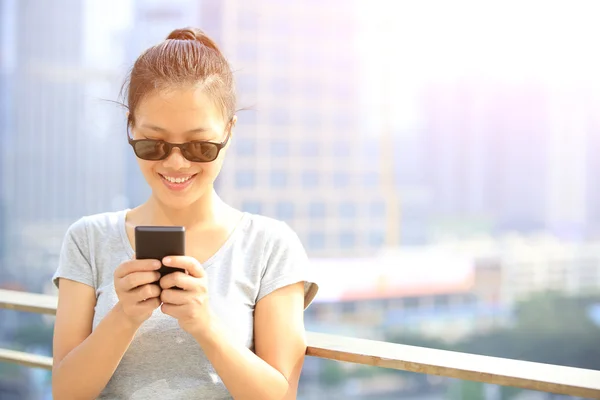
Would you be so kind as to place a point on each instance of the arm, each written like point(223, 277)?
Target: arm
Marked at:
point(84, 360)
point(274, 371)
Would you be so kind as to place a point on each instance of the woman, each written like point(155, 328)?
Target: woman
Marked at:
point(236, 329)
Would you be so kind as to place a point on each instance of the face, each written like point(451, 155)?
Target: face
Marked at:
point(179, 116)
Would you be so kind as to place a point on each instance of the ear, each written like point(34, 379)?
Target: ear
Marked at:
point(232, 125)
point(129, 135)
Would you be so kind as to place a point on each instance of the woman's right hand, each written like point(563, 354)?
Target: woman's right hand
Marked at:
point(138, 295)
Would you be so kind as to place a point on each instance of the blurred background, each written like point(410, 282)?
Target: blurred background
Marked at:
point(437, 159)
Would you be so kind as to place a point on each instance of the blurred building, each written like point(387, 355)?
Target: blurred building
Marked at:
point(7, 69)
point(528, 264)
point(298, 153)
point(64, 66)
point(425, 292)
point(448, 290)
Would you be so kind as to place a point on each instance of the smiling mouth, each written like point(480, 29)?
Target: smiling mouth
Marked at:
point(178, 180)
point(178, 183)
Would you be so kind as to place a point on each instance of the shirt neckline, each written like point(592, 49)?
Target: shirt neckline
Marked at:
point(242, 223)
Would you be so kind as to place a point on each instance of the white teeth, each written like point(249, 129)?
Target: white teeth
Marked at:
point(177, 180)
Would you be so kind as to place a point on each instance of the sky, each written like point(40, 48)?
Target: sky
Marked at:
point(409, 44)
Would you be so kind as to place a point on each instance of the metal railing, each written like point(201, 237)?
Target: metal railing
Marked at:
point(501, 371)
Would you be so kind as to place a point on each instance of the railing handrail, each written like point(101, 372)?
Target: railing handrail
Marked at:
point(29, 302)
point(528, 375)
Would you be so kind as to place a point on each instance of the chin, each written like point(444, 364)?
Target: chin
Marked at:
point(180, 201)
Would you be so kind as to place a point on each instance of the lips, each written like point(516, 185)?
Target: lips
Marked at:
point(177, 182)
point(177, 179)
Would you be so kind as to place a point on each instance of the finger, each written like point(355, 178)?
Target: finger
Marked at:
point(180, 280)
point(151, 304)
point(144, 293)
point(190, 264)
point(136, 279)
point(135, 266)
point(169, 309)
point(176, 297)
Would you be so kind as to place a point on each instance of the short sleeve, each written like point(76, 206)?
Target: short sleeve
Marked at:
point(287, 264)
point(74, 261)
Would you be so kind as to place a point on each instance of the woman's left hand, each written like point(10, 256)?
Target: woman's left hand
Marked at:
point(190, 305)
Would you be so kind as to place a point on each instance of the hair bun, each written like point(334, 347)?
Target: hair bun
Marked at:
point(193, 34)
point(182, 34)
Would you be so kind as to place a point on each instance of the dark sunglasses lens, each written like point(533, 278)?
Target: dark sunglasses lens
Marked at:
point(201, 151)
point(150, 149)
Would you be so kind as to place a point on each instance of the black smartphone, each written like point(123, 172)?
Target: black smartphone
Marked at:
point(157, 242)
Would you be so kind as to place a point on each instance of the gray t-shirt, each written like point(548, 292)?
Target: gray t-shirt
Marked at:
point(163, 361)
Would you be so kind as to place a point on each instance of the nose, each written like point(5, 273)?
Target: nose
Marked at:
point(176, 160)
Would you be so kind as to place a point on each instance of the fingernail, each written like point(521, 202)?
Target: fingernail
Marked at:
point(167, 260)
point(156, 264)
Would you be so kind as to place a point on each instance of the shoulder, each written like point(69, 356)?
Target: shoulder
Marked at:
point(285, 259)
point(272, 232)
point(96, 224)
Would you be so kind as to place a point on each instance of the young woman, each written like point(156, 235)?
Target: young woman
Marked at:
point(236, 329)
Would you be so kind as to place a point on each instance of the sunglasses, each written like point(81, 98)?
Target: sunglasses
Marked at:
point(194, 151)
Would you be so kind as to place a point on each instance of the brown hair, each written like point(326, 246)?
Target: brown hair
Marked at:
point(186, 57)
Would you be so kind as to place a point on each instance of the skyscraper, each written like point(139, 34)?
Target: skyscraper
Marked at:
point(298, 153)
point(7, 63)
point(59, 162)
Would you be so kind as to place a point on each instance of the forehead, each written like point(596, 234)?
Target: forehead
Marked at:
point(179, 110)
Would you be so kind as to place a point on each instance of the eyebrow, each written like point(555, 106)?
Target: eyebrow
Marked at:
point(159, 129)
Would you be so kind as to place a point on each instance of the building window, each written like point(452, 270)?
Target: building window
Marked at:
point(316, 210)
point(348, 307)
point(278, 179)
point(245, 179)
point(310, 179)
point(245, 146)
point(441, 301)
point(280, 148)
point(411, 302)
point(253, 207)
point(347, 210)
point(316, 241)
point(376, 239)
point(284, 210)
point(341, 179)
point(347, 240)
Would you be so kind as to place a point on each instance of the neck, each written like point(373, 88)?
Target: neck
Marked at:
point(204, 212)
